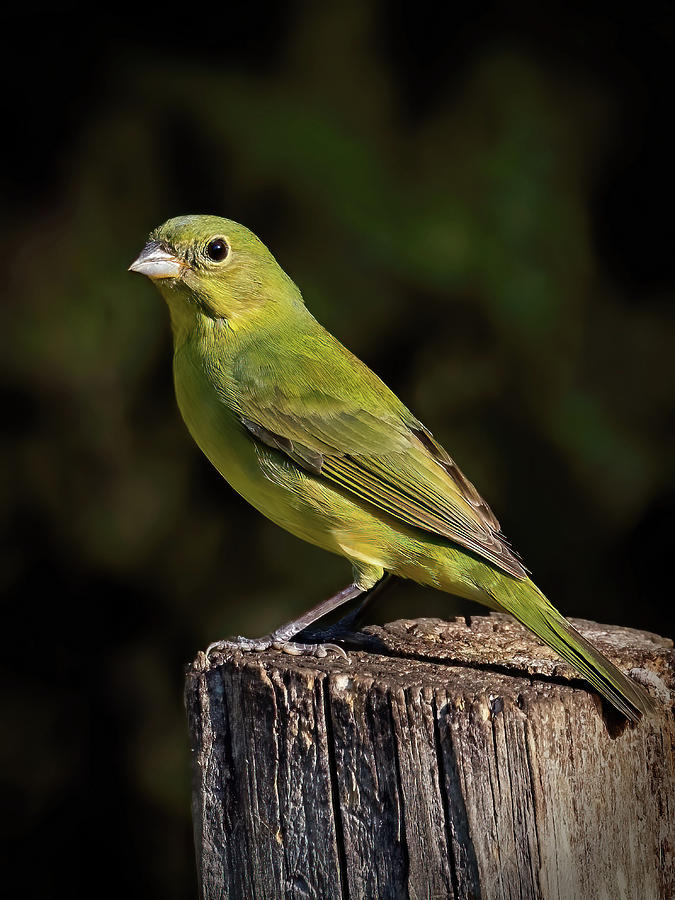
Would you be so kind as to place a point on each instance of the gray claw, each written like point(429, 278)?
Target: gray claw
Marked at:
point(239, 643)
point(291, 647)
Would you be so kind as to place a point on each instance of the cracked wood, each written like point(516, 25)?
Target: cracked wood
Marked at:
point(449, 759)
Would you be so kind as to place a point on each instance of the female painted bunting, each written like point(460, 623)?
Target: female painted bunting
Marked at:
point(312, 438)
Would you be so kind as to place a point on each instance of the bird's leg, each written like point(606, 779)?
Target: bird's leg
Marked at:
point(281, 638)
point(348, 624)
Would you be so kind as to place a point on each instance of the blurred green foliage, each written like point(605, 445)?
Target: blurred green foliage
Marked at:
point(453, 252)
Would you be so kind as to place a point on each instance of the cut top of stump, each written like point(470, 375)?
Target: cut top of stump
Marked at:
point(491, 655)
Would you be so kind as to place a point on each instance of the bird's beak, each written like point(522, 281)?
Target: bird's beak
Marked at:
point(156, 261)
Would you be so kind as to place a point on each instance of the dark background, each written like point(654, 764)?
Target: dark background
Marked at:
point(479, 207)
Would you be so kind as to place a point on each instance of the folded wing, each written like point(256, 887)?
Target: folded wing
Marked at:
point(346, 426)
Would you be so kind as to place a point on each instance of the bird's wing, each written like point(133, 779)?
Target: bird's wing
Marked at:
point(338, 421)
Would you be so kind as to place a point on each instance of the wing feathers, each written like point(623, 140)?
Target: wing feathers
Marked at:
point(332, 416)
point(389, 484)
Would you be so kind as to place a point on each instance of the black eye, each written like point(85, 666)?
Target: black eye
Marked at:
point(217, 249)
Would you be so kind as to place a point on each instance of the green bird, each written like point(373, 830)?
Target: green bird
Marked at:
point(315, 441)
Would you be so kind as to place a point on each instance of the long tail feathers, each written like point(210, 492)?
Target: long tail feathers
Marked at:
point(527, 604)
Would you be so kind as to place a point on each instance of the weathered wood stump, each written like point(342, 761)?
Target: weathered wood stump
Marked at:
point(449, 759)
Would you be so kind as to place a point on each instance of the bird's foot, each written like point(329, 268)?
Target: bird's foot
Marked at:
point(272, 642)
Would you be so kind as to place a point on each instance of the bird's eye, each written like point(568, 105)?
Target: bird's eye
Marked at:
point(217, 249)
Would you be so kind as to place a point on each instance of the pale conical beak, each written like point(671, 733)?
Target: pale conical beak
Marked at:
point(156, 261)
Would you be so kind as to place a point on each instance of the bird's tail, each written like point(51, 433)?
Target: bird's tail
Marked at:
point(524, 601)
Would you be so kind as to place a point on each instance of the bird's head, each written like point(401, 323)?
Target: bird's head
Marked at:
point(214, 268)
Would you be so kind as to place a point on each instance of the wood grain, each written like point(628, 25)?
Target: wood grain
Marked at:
point(453, 759)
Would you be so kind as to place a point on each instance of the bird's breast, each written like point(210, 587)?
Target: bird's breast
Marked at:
point(213, 424)
point(270, 483)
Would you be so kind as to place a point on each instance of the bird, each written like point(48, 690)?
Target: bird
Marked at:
point(312, 438)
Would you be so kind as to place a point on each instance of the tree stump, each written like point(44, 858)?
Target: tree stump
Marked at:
point(447, 759)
